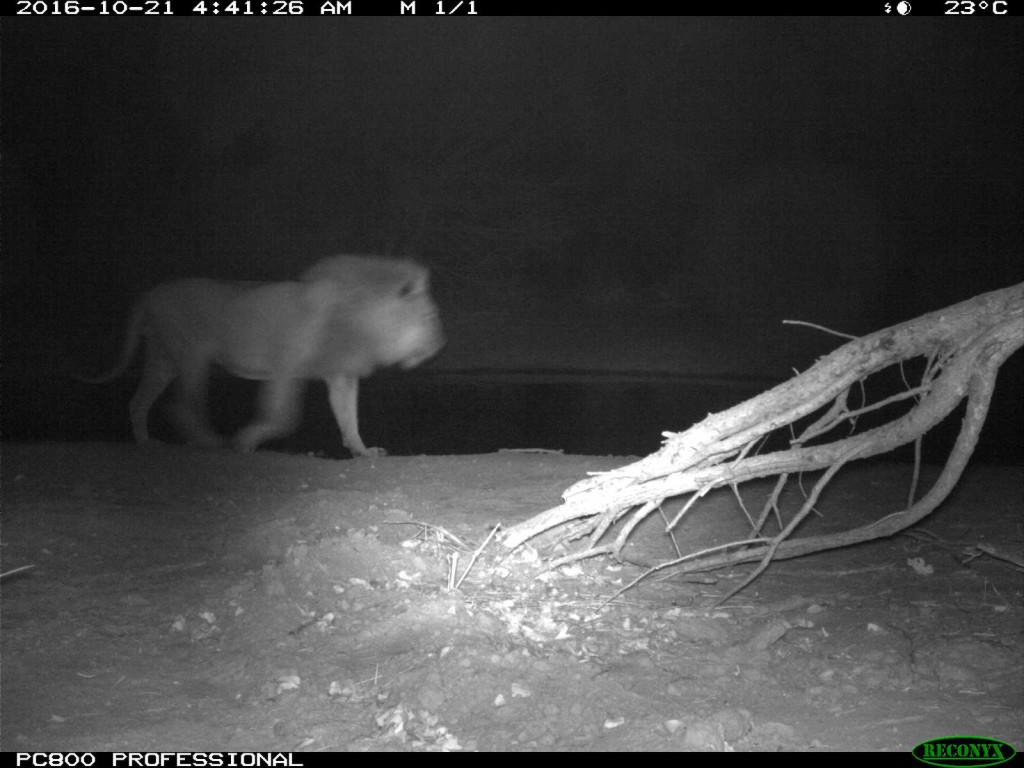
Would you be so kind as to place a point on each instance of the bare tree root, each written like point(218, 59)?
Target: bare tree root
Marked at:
point(964, 346)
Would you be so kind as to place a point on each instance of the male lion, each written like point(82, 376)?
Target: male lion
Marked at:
point(343, 319)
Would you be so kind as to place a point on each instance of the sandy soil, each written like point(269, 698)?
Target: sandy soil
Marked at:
point(189, 600)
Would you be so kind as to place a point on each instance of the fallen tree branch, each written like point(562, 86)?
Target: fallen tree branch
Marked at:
point(964, 346)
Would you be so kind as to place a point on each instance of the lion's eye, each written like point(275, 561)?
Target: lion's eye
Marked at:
point(407, 290)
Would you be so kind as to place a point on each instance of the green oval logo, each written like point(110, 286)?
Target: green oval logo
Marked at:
point(960, 751)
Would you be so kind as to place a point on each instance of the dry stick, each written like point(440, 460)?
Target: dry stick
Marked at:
point(615, 548)
point(822, 328)
point(620, 540)
point(772, 504)
point(988, 549)
point(833, 416)
point(607, 521)
point(13, 571)
point(679, 561)
point(919, 441)
point(476, 554)
point(671, 533)
point(928, 375)
point(453, 567)
point(743, 507)
point(805, 510)
point(915, 475)
point(605, 549)
point(911, 393)
point(735, 489)
point(700, 493)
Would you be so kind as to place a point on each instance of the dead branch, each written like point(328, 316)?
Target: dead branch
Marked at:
point(964, 344)
point(997, 553)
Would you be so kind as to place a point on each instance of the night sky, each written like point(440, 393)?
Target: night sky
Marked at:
point(592, 194)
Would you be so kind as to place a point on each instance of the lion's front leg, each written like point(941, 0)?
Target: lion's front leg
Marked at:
point(344, 396)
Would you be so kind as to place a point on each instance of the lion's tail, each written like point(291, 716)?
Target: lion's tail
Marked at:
point(131, 345)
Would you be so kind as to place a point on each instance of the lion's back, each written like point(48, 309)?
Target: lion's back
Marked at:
point(244, 326)
point(180, 311)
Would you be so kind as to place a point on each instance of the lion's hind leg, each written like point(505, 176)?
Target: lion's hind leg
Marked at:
point(278, 413)
point(189, 407)
point(157, 374)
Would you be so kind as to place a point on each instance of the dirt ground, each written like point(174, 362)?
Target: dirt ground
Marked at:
point(191, 600)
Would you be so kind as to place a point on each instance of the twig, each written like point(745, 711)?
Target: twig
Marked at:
point(988, 549)
point(693, 556)
point(13, 571)
point(818, 327)
point(476, 554)
point(784, 534)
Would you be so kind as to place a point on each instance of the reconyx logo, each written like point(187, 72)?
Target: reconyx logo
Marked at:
point(960, 751)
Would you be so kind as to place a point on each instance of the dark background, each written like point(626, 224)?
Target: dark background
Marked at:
point(619, 212)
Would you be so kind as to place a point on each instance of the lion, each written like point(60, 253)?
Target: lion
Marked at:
point(343, 319)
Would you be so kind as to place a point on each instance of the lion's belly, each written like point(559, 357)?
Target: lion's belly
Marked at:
point(252, 361)
point(247, 370)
